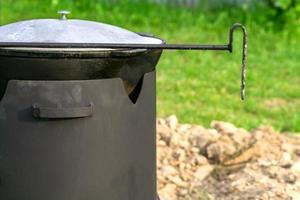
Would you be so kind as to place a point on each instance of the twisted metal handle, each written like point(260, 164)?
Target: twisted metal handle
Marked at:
point(244, 54)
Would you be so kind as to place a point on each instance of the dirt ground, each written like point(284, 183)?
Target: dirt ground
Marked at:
point(226, 163)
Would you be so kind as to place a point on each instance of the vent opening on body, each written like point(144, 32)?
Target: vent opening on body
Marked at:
point(3, 85)
point(134, 95)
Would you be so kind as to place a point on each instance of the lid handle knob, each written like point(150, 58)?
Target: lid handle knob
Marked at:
point(64, 14)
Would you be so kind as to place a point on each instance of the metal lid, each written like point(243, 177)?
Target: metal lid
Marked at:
point(69, 31)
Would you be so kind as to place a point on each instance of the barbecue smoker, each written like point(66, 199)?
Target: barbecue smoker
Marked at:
point(77, 110)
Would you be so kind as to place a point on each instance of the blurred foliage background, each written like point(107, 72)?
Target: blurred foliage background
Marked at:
point(203, 86)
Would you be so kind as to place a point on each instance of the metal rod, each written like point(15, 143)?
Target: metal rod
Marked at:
point(224, 47)
point(114, 45)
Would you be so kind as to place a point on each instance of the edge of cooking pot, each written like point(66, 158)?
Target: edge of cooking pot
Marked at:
point(60, 53)
point(72, 54)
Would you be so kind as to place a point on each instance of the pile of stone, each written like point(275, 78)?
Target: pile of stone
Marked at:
point(226, 162)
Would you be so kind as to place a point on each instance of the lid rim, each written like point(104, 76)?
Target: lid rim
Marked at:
point(76, 54)
point(83, 52)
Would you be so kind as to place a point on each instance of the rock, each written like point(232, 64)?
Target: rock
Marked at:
point(168, 170)
point(172, 122)
point(202, 141)
point(287, 147)
point(223, 127)
point(175, 140)
point(203, 172)
point(184, 144)
point(178, 181)
point(183, 192)
point(297, 151)
point(161, 143)
point(164, 134)
point(295, 195)
point(286, 160)
point(226, 162)
point(296, 167)
point(214, 151)
point(168, 192)
point(290, 178)
point(241, 138)
point(220, 151)
point(263, 162)
point(201, 160)
point(272, 172)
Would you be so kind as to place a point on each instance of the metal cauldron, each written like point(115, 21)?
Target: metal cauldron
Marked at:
point(78, 110)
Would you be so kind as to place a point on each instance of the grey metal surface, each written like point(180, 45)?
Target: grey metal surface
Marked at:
point(70, 31)
point(109, 156)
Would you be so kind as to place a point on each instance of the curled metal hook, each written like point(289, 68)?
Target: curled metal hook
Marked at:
point(244, 54)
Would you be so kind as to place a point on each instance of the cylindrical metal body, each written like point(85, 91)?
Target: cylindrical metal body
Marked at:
point(107, 153)
point(76, 124)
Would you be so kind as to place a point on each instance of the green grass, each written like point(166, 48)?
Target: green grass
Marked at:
point(203, 86)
